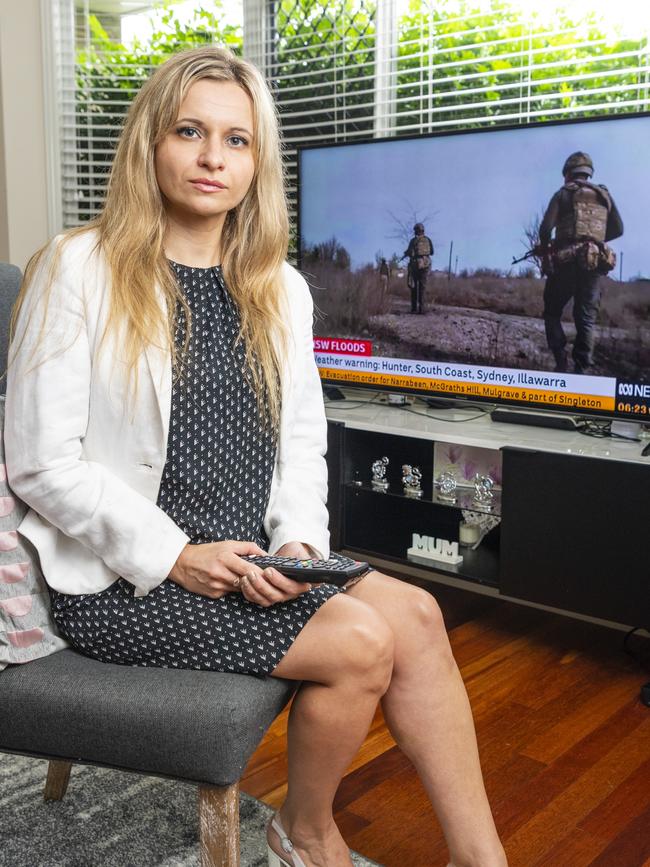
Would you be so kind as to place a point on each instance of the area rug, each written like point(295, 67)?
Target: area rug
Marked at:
point(111, 819)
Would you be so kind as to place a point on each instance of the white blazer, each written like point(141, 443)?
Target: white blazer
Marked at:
point(90, 467)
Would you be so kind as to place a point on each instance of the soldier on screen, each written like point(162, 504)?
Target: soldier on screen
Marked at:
point(384, 277)
point(584, 217)
point(419, 253)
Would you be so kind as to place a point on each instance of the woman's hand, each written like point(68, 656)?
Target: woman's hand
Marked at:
point(216, 568)
point(295, 549)
point(271, 586)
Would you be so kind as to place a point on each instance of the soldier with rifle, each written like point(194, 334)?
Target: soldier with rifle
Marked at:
point(584, 217)
point(419, 253)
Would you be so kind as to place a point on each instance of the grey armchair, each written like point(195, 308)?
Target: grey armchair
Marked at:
point(195, 726)
point(10, 278)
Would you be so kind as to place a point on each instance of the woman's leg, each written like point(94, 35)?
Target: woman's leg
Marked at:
point(427, 711)
point(345, 653)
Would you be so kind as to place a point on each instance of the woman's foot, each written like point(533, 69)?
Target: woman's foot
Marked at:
point(326, 848)
point(494, 857)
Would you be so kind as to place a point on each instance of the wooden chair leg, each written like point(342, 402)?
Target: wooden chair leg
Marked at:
point(219, 825)
point(58, 774)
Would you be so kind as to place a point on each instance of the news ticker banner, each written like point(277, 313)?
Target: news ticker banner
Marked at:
point(588, 393)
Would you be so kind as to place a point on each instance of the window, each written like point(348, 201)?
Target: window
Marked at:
point(103, 52)
point(349, 71)
point(346, 70)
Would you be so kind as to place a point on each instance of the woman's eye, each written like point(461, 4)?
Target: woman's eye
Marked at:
point(188, 131)
point(237, 141)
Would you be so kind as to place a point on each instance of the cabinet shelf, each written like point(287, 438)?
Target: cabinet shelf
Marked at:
point(480, 566)
point(383, 525)
point(464, 500)
point(566, 537)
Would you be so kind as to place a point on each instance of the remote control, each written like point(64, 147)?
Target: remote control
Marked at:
point(337, 570)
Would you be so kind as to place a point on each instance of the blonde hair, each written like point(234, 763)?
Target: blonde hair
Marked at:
point(131, 229)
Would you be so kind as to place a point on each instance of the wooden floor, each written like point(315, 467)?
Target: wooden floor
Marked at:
point(564, 742)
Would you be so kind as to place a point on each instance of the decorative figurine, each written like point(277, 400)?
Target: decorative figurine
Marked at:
point(411, 478)
point(446, 484)
point(483, 494)
point(379, 481)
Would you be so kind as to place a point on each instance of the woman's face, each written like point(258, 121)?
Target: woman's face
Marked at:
point(205, 163)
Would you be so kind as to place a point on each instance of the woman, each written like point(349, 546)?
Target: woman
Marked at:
point(164, 419)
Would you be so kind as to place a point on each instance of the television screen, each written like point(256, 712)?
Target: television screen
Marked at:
point(413, 250)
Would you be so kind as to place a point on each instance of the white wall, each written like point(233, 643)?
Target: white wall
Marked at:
point(23, 182)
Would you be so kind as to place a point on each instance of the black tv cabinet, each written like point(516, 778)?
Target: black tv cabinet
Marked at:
point(575, 511)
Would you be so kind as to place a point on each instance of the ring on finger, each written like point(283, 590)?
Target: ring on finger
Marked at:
point(236, 581)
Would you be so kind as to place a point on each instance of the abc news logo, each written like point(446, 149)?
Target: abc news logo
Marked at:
point(633, 389)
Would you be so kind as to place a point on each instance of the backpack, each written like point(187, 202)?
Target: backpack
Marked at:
point(422, 251)
point(585, 218)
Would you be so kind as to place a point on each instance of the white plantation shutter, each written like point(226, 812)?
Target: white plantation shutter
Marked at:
point(59, 70)
point(91, 107)
point(345, 71)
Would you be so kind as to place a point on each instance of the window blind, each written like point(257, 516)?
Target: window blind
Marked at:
point(345, 71)
point(97, 77)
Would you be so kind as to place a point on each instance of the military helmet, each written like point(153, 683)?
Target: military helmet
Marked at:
point(419, 228)
point(578, 163)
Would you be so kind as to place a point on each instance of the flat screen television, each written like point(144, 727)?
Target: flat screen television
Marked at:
point(483, 332)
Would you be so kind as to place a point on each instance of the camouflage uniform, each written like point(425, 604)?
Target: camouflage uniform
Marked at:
point(595, 218)
point(419, 252)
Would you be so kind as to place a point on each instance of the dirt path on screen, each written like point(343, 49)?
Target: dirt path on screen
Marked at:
point(474, 336)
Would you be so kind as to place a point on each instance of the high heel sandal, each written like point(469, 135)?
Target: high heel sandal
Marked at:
point(276, 860)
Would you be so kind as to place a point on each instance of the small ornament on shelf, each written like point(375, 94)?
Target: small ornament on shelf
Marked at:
point(411, 478)
point(475, 526)
point(469, 534)
point(379, 481)
point(446, 484)
point(483, 493)
point(429, 550)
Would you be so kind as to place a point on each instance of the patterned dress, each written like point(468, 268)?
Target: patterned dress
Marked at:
point(215, 485)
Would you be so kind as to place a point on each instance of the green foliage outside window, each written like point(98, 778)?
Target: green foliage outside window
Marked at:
point(518, 62)
point(324, 67)
point(498, 67)
point(109, 74)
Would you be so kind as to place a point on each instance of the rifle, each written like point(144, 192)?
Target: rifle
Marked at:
point(543, 255)
point(535, 252)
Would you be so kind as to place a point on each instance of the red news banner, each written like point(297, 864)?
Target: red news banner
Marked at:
point(342, 346)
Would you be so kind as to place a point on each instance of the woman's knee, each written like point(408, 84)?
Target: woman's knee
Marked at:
point(425, 612)
point(345, 641)
point(360, 646)
point(369, 650)
point(424, 622)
